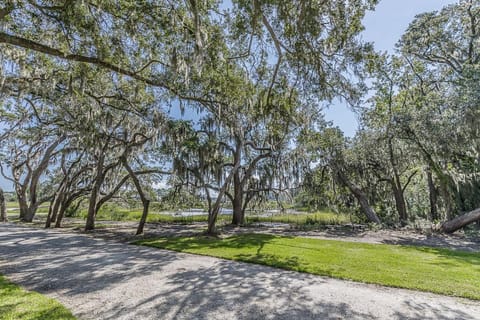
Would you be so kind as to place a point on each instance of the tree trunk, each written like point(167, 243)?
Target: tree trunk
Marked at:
point(143, 219)
point(400, 204)
point(49, 216)
point(238, 217)
point(143, 197)
point(95, 193)
point(23, 206)
point(3, 207)
point(58, 201)
point(367, 209)
point(212, 216)
point(30, 213)
point(432, 192)
point(53, 213)
point(92, 205)
point(361, 198)
point(61, 213)
point(397, 185)
point(460, 221)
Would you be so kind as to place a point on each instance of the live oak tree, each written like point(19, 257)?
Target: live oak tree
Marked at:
point(329, 150)
point(28, 154)
point(386, 154)
point(193, 53)
point(447, 43)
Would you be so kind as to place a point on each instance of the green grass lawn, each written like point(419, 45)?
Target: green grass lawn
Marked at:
point(18, 304)
point(12, 214)
point(440, 271)
point(11, 204)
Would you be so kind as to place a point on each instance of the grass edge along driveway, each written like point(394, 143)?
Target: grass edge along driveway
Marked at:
point(442, 271)
point(19, 304)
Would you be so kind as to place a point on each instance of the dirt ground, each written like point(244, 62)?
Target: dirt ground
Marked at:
point(107, 279)
point(125, 232)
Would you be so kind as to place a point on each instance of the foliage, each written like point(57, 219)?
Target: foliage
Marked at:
point(92, 90)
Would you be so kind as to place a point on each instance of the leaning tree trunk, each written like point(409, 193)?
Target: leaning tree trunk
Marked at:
point(92, 205)
point(141, 193)
point(143, 219)
point(212, 216)
point(367, 209)
point(53, 210)
point(361, 198)
point(460, 221)
point(61, 213)
point(3, 207)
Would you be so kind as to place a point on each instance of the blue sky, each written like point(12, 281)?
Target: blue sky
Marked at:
point(383, 27)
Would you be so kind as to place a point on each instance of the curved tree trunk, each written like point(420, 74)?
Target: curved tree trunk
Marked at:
point(361, 198)
point(143, 219)
point(460, 221)
point(212, 216)
point(367, 209)
point(141, 193)
point(3, 207)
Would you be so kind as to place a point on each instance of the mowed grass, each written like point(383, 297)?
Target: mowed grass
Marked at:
point(440, 271)
point(18, 304)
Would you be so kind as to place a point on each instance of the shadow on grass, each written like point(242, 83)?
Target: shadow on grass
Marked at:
point(440, 242)
point(233, 242)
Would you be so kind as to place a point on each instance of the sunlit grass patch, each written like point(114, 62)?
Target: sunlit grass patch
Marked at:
point(435, 270)
point(18, 304)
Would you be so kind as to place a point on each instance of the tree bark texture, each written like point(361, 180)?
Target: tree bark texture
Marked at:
point(460, 221)
point(3, 207)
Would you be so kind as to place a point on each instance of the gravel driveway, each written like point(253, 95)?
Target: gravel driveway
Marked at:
point(100, 279)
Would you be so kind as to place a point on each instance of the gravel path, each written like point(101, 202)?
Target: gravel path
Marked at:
point(101, 279)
